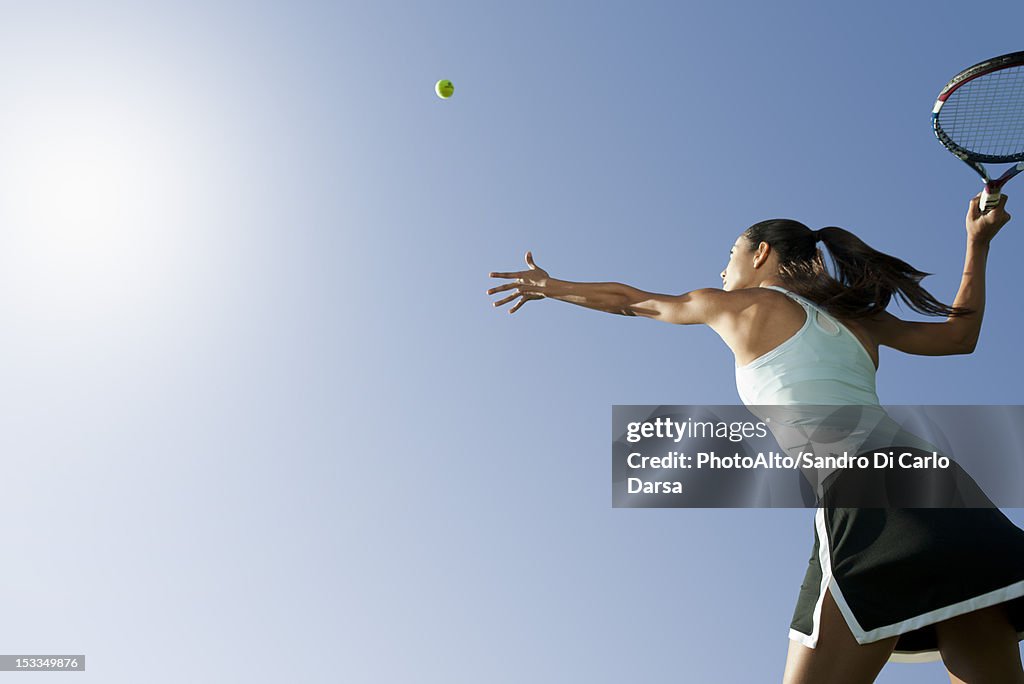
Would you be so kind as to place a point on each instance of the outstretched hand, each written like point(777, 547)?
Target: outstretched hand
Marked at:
point(529, 284)
point(985, 226)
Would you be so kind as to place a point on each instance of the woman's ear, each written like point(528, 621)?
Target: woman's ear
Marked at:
point(761, 255)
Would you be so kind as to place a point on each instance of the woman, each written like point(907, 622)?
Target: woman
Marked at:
point(932, 582)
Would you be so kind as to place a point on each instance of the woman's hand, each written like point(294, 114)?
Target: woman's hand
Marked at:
point(983, 227)
point(530, 284)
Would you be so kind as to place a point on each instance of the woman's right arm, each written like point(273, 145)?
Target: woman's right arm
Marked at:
point(958, 334)
point(699, 306)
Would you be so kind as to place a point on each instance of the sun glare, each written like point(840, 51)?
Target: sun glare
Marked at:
point(84, 175)
point(82, 187)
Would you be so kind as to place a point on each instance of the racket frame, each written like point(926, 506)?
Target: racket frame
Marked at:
point(991, 194)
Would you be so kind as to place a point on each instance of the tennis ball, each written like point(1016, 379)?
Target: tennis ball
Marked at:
point(444, 89)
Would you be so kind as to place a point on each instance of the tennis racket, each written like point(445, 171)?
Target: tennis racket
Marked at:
point(979, 117)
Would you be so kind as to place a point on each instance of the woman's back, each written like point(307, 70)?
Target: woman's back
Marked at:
point(822, 363)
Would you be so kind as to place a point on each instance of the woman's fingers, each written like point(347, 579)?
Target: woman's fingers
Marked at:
point(522, 301)
point(998, 213)
point(525, 298)
point(973, 210)
point(506, 300)
point(522, 287)
point(502, 288)
point(520, 279)
point(1002, 206)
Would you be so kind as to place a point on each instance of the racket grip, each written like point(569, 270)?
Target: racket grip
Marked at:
point(989, 198)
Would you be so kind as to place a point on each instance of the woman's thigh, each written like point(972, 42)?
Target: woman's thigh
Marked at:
point(980, 647)
point(837, 658)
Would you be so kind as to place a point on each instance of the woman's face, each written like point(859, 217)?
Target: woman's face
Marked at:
point(740, 269)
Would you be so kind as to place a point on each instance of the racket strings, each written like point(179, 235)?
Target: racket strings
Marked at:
point(986, 115)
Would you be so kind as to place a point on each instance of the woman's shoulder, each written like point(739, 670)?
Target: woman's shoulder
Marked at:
point(762, 306)
point(768, 298)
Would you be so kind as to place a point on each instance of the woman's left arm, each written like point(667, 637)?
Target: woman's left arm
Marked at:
point(706, 305)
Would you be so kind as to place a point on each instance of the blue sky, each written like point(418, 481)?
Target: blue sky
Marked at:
point(260, 420)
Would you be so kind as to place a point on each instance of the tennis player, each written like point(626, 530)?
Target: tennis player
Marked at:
point(904, 584)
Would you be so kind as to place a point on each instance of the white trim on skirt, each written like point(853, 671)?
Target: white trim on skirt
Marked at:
point(863, 636)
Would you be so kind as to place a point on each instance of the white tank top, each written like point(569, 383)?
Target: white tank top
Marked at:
point(823, 363)
point(793, 386)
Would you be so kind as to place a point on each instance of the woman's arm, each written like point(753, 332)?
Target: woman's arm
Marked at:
point(957, 334)
point(699, 306)
point(689, 308)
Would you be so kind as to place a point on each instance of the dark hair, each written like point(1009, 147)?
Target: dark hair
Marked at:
point(865, 279)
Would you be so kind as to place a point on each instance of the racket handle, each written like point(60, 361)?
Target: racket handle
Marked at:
point(990, 197)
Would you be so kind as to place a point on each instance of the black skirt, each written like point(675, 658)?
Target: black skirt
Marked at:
point(899, 571)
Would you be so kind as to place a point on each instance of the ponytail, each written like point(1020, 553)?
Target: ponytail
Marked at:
point(865, 279)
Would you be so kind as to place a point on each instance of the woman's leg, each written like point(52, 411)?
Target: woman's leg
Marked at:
point(980, 647)
point(838, 658)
